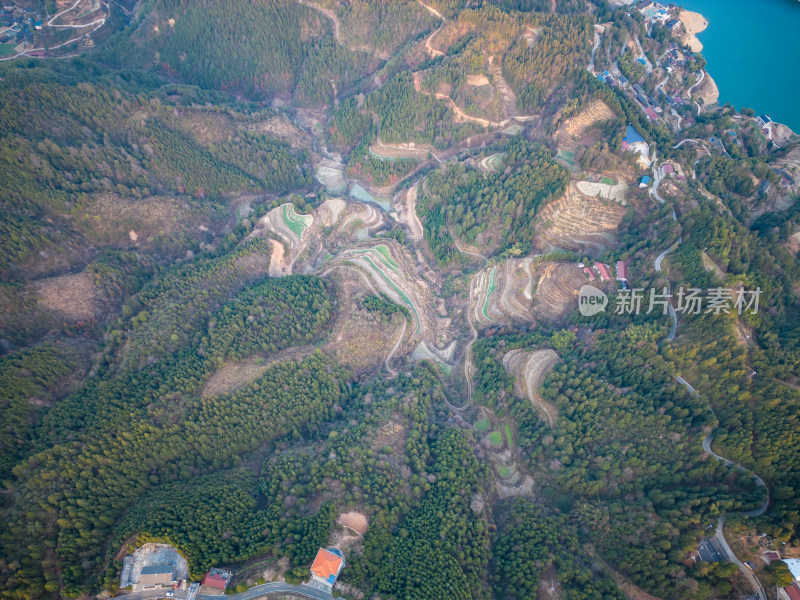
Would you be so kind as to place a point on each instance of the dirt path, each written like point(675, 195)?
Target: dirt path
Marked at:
point(337, 31)
point(433, 52)
point(409, 216)
point(433, 11)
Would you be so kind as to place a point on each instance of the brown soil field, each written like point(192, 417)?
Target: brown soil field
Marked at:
point(549, 587)
point(556, 286)
point(73, 296)
point(477, 80)
point(793, 243)
point(277, 260)
point(707, 90)
point(354, 520)
point(579, 222)
point(358, 338)
point(573, 129)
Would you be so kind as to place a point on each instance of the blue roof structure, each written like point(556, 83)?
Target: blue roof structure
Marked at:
point(645, 180)
point(632, 136)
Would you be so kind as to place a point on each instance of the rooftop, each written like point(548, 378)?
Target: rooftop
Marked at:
point(327, 565)
point(157, 569)
point(794, 567)
point(215, 581)
point(632, 136)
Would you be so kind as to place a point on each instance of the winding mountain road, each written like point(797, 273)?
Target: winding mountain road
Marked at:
point(699, 81)
point(707, 441)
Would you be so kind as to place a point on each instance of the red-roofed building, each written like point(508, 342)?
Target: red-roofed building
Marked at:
point(588, 271)
point(327, 566)
point(605, 275)
point(217, 582)
point(793, 591)
point(622, 270)
point(773, 556)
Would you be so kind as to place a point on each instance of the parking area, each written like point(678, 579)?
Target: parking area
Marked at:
point(708, 551)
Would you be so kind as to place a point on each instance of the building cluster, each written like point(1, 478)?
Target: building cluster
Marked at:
point(17, 24)
point(603, 272)
point(655, 12)
point(791, 592)
point(164, 575)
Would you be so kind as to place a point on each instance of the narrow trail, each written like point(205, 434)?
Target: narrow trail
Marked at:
point(698, 142)
point(433, 11)
point(337, 30)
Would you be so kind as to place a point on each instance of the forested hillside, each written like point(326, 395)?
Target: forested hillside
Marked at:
point(70, 141)
point(497, 211)
point(278, 275)
point(258, 49)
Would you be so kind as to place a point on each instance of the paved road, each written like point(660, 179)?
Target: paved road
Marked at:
point(720, 537)
point(661, 257)
point(698, 142)
point(699, 81)
point(259, 591)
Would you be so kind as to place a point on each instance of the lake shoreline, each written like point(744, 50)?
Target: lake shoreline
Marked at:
point(693, 23)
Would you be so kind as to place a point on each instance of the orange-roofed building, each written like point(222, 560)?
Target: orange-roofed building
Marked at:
point(327, 566)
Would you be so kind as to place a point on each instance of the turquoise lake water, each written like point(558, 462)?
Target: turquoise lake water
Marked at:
point(753, 53)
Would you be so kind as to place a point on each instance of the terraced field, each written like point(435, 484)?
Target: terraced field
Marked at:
point(386, 273)
point(483, 286)
point(493, 163)
point(556, 286)
point(580, 222)
point(574, 129)
point(297, 223)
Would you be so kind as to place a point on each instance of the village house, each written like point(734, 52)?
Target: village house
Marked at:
point(602, 270)
point(327, 566)
point(157, 575)
point(215, 581)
